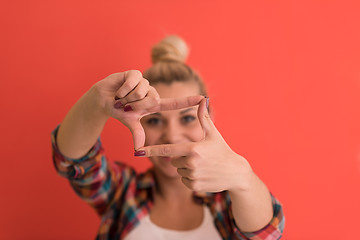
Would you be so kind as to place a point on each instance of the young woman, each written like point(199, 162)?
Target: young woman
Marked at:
point(198, 188)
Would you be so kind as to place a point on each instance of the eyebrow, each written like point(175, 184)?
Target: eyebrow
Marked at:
point(182, 112)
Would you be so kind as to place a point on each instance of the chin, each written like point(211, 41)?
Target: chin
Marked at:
point(163, 164)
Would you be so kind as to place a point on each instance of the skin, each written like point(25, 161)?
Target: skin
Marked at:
point(173, 205)
point(172, 127)
point(188, 155)
point(187, 141)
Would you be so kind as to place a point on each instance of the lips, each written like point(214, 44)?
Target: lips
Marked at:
point(167, 159)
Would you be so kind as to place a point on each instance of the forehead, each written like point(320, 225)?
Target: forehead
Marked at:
point(177, 89)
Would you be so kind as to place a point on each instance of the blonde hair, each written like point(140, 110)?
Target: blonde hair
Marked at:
point(168, 58)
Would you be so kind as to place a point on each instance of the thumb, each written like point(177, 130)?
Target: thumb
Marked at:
point(138, 135)
point(204, 117)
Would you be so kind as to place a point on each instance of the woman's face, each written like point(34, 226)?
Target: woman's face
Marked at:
point(172, 127)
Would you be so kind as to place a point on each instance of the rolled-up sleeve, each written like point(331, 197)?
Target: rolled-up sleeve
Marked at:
point(272, 231)
point(96, 180)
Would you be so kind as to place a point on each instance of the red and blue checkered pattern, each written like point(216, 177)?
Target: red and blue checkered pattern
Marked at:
point(121, 197)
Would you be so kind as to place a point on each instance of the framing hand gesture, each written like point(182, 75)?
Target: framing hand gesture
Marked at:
point(127, 96)
point(209, 165)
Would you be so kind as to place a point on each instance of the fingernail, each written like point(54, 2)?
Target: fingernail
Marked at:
point(139, 153)
point(128, 108)
point(118, 104)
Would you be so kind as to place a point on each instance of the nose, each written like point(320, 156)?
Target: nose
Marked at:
point(172, 133)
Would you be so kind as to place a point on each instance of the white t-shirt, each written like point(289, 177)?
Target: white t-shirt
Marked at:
point(150, 231)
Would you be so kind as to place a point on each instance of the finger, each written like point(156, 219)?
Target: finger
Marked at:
point(138, 93)
point(178, 103)
point(152, 103)
point(132, 79)
point(184, 162)
point(188, 183)
point(151, 100)
point(138, 134)
point(167, 150)
point(116, 80)
point(186, 173)
point(205, 119)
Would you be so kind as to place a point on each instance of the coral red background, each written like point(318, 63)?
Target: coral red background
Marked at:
point(284, 82)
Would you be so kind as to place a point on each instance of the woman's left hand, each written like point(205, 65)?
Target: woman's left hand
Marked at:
point(209, 165)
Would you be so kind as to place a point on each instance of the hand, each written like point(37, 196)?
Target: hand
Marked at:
point(127, 96)
point(209, 165)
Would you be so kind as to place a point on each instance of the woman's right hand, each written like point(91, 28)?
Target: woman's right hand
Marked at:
point(127, 96)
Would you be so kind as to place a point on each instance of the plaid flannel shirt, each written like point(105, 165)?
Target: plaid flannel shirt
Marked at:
point(121, 197)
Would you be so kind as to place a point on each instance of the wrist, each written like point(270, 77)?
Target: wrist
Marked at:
point(97, 103)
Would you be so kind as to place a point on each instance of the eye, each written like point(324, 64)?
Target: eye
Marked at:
point(153, 121)
point(187, 119)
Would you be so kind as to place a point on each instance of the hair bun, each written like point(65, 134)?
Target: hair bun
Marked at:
point(171, 48)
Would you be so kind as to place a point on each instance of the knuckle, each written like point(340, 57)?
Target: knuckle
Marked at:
point(207, 116)
point(138, 95)
point(149, 151)
point(194, 149)
point(97, 86)
point(157, 100)
point(174, 105)
point(115, 77)
point(165, 150)
point(136, 73)
point(147, 83)
point(190, 164)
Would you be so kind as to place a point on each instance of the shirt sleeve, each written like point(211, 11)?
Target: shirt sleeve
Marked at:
point(96, 180)
point(272, 231)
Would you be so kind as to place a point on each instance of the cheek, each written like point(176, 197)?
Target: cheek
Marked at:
point(151, 136)
point(196, 133)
